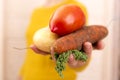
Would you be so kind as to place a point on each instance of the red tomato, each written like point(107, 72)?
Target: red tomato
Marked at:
point(67, 19)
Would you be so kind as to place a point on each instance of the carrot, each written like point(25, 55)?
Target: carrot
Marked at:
point(76, 39)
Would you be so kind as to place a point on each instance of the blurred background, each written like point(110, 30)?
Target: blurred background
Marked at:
point(14, 19)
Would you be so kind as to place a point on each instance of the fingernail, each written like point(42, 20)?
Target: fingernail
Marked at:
point(71, 58)
point(88, 45)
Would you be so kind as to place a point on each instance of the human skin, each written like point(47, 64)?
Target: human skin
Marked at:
point(87, 47)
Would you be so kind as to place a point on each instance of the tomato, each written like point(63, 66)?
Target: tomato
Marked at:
point(66, 19)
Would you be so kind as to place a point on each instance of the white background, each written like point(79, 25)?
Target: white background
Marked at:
point(14, 22)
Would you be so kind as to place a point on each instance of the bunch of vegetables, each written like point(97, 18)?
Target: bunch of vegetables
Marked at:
point(66, 34)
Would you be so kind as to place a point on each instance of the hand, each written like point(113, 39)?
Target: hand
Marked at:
point(87, 47)
point(36, 50)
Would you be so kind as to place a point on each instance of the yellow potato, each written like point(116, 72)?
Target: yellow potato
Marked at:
point(44, 38)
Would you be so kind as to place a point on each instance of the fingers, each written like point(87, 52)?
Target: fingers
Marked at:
point(53, 54)
point(36, 50)
point(72, 62)
point(99, 45)
point(87, 47)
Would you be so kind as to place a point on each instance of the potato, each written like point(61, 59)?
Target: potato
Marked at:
point(44, 38)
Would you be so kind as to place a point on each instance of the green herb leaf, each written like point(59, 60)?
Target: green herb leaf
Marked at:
point(62, 59)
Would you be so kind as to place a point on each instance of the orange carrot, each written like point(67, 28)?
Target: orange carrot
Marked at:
point(76, 39)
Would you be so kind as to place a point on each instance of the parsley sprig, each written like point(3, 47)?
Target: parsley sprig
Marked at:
point(62, 59)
